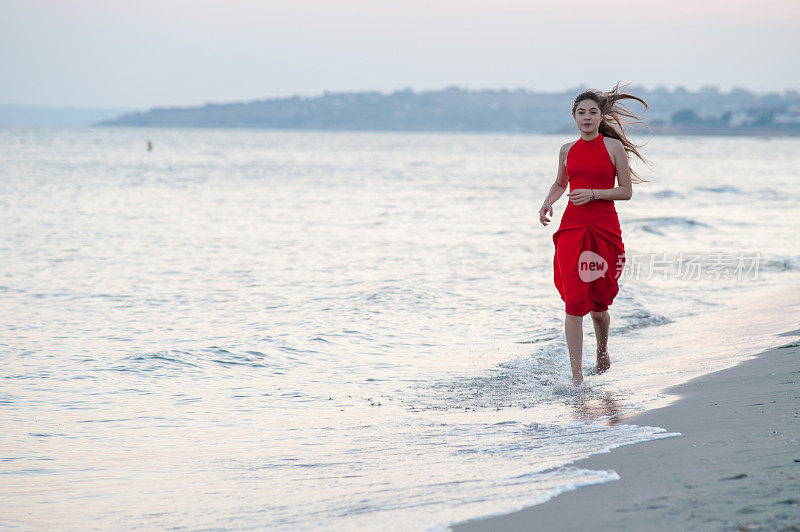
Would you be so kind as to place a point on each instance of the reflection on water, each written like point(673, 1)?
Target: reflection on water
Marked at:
point(606, 408)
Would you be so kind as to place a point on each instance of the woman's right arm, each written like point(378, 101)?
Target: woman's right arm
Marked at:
point(557, 189)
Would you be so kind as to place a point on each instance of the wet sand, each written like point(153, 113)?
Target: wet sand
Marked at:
point(736, 465)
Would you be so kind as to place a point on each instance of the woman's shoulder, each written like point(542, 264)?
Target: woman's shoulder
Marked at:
point(565, 151)
point(565, 147)
point(613, 146)
point(569, 144)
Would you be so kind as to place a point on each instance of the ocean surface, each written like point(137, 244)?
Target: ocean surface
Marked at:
point(349, 331)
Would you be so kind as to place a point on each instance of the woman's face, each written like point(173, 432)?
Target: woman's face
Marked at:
point(587, 116)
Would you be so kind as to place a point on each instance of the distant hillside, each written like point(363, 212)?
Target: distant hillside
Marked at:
point(461, 110)
point(35, 115)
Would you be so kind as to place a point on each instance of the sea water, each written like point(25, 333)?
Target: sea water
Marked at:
point(293, 330)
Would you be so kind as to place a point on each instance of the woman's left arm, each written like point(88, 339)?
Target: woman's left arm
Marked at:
point(625, 189)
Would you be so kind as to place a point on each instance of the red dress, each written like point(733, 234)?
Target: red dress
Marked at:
point(589, 253)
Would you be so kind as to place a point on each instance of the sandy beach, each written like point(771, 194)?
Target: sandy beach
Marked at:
point(736, 465)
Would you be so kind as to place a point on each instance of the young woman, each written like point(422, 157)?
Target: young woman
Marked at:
point(589, 253)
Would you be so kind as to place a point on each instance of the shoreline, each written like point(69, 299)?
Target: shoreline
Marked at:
point(736, 465)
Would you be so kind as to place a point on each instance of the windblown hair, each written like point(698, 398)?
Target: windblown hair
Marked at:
point(615, 115)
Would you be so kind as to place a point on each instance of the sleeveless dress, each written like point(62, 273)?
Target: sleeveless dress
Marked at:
point(589, 253)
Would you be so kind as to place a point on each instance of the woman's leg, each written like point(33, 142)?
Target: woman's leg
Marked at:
point(573, 326)
point(602, 324)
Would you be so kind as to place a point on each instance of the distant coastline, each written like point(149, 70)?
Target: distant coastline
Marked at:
point(671, 112)
point(676, 112)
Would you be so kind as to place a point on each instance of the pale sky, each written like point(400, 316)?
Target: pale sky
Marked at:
point(142, 54)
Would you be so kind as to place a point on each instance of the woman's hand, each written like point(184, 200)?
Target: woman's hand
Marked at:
point(543, 213)
point(579, 196)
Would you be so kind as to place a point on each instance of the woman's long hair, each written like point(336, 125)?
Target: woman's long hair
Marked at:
point(615, 114)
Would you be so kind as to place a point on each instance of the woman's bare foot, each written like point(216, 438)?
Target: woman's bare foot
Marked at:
point(603, 361)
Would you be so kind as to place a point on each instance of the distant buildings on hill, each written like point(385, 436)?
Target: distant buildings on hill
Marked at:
point(759, 120)
point(786, 115)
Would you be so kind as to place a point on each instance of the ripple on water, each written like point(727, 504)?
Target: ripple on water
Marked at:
point(658, 225)
point(522, 382)
point(281, 359)
point(720, 189)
